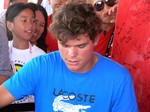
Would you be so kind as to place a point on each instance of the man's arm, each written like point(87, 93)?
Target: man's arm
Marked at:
point(5, 68)
point(3, 78)
point(5, 97)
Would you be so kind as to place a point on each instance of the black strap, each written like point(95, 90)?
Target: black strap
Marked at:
point(109, 44)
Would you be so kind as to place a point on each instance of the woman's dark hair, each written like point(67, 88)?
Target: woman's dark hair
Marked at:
point(41, 41)
point(12, 11)
point(73, 19)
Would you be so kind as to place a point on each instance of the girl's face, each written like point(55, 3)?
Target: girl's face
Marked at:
point(39, 26)
point(23, 25)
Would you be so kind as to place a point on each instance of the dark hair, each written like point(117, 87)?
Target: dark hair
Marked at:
point(41, 41)
point(12, 11)
point(73, 19)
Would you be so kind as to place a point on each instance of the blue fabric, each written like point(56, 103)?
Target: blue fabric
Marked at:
point(107, 87)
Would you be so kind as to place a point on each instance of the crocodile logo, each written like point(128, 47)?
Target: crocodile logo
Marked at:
point(60, 105)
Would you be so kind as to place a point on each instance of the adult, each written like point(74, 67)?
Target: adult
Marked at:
point(40, 32)
point(74, 78)
point(106, 10)
point(5, 69)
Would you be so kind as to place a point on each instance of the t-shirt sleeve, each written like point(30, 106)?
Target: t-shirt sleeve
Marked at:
point(5, 68)
point(125, 97)
point(23, 82)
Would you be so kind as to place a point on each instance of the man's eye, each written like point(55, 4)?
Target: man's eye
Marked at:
point(81, 46)
point(64, 45)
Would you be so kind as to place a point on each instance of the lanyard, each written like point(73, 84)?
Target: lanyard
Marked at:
point(30, 47)
point(109, 44)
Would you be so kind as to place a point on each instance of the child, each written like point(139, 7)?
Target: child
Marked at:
point(20, 21)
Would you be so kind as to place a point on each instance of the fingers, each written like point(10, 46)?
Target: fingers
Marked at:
point(113, 21)
point(111, 11)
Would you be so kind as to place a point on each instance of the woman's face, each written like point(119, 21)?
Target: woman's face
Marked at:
point(39, 26)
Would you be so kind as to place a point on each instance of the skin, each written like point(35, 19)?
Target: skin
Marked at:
point(17, 1)
point(55, 4)
point(22, 28)
point(5, 97)
point(3, 78)
point(78, 54)
point(39, 1)
point(107, 15)
point(39, 27)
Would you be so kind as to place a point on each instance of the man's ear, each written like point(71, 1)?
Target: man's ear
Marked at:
point(9, 25)
point(96, 40)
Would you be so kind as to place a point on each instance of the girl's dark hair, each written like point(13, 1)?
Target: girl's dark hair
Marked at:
point(12, 11)
point(73, 19)
point(41, 41)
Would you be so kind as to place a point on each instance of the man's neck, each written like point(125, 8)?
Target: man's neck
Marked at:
point(107, 27)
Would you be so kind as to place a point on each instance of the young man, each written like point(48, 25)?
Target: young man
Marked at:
point(75, 78)
point(5, 69)
point(106, 10)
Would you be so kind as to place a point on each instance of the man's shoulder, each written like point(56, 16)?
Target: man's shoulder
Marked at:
point(111, 66)
point(52, 55)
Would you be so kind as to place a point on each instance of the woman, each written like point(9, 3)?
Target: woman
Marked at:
point(41, 26)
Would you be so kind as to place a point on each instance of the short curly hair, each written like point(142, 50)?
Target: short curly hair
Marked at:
point(73, 19)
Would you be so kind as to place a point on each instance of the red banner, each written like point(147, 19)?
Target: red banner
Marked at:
point(131, 46)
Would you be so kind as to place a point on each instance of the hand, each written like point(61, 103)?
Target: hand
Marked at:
point(112, 12)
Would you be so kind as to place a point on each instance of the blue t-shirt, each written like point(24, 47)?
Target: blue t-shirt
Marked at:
point(107, 87)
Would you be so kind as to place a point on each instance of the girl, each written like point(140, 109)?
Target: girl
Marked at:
point(20, 25)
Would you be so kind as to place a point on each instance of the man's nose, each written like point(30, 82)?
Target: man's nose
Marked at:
point(72, 52)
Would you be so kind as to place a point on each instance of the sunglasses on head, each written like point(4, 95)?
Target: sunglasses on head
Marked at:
point(99, 5)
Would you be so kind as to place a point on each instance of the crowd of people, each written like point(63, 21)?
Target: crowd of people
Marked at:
point(66, 54)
